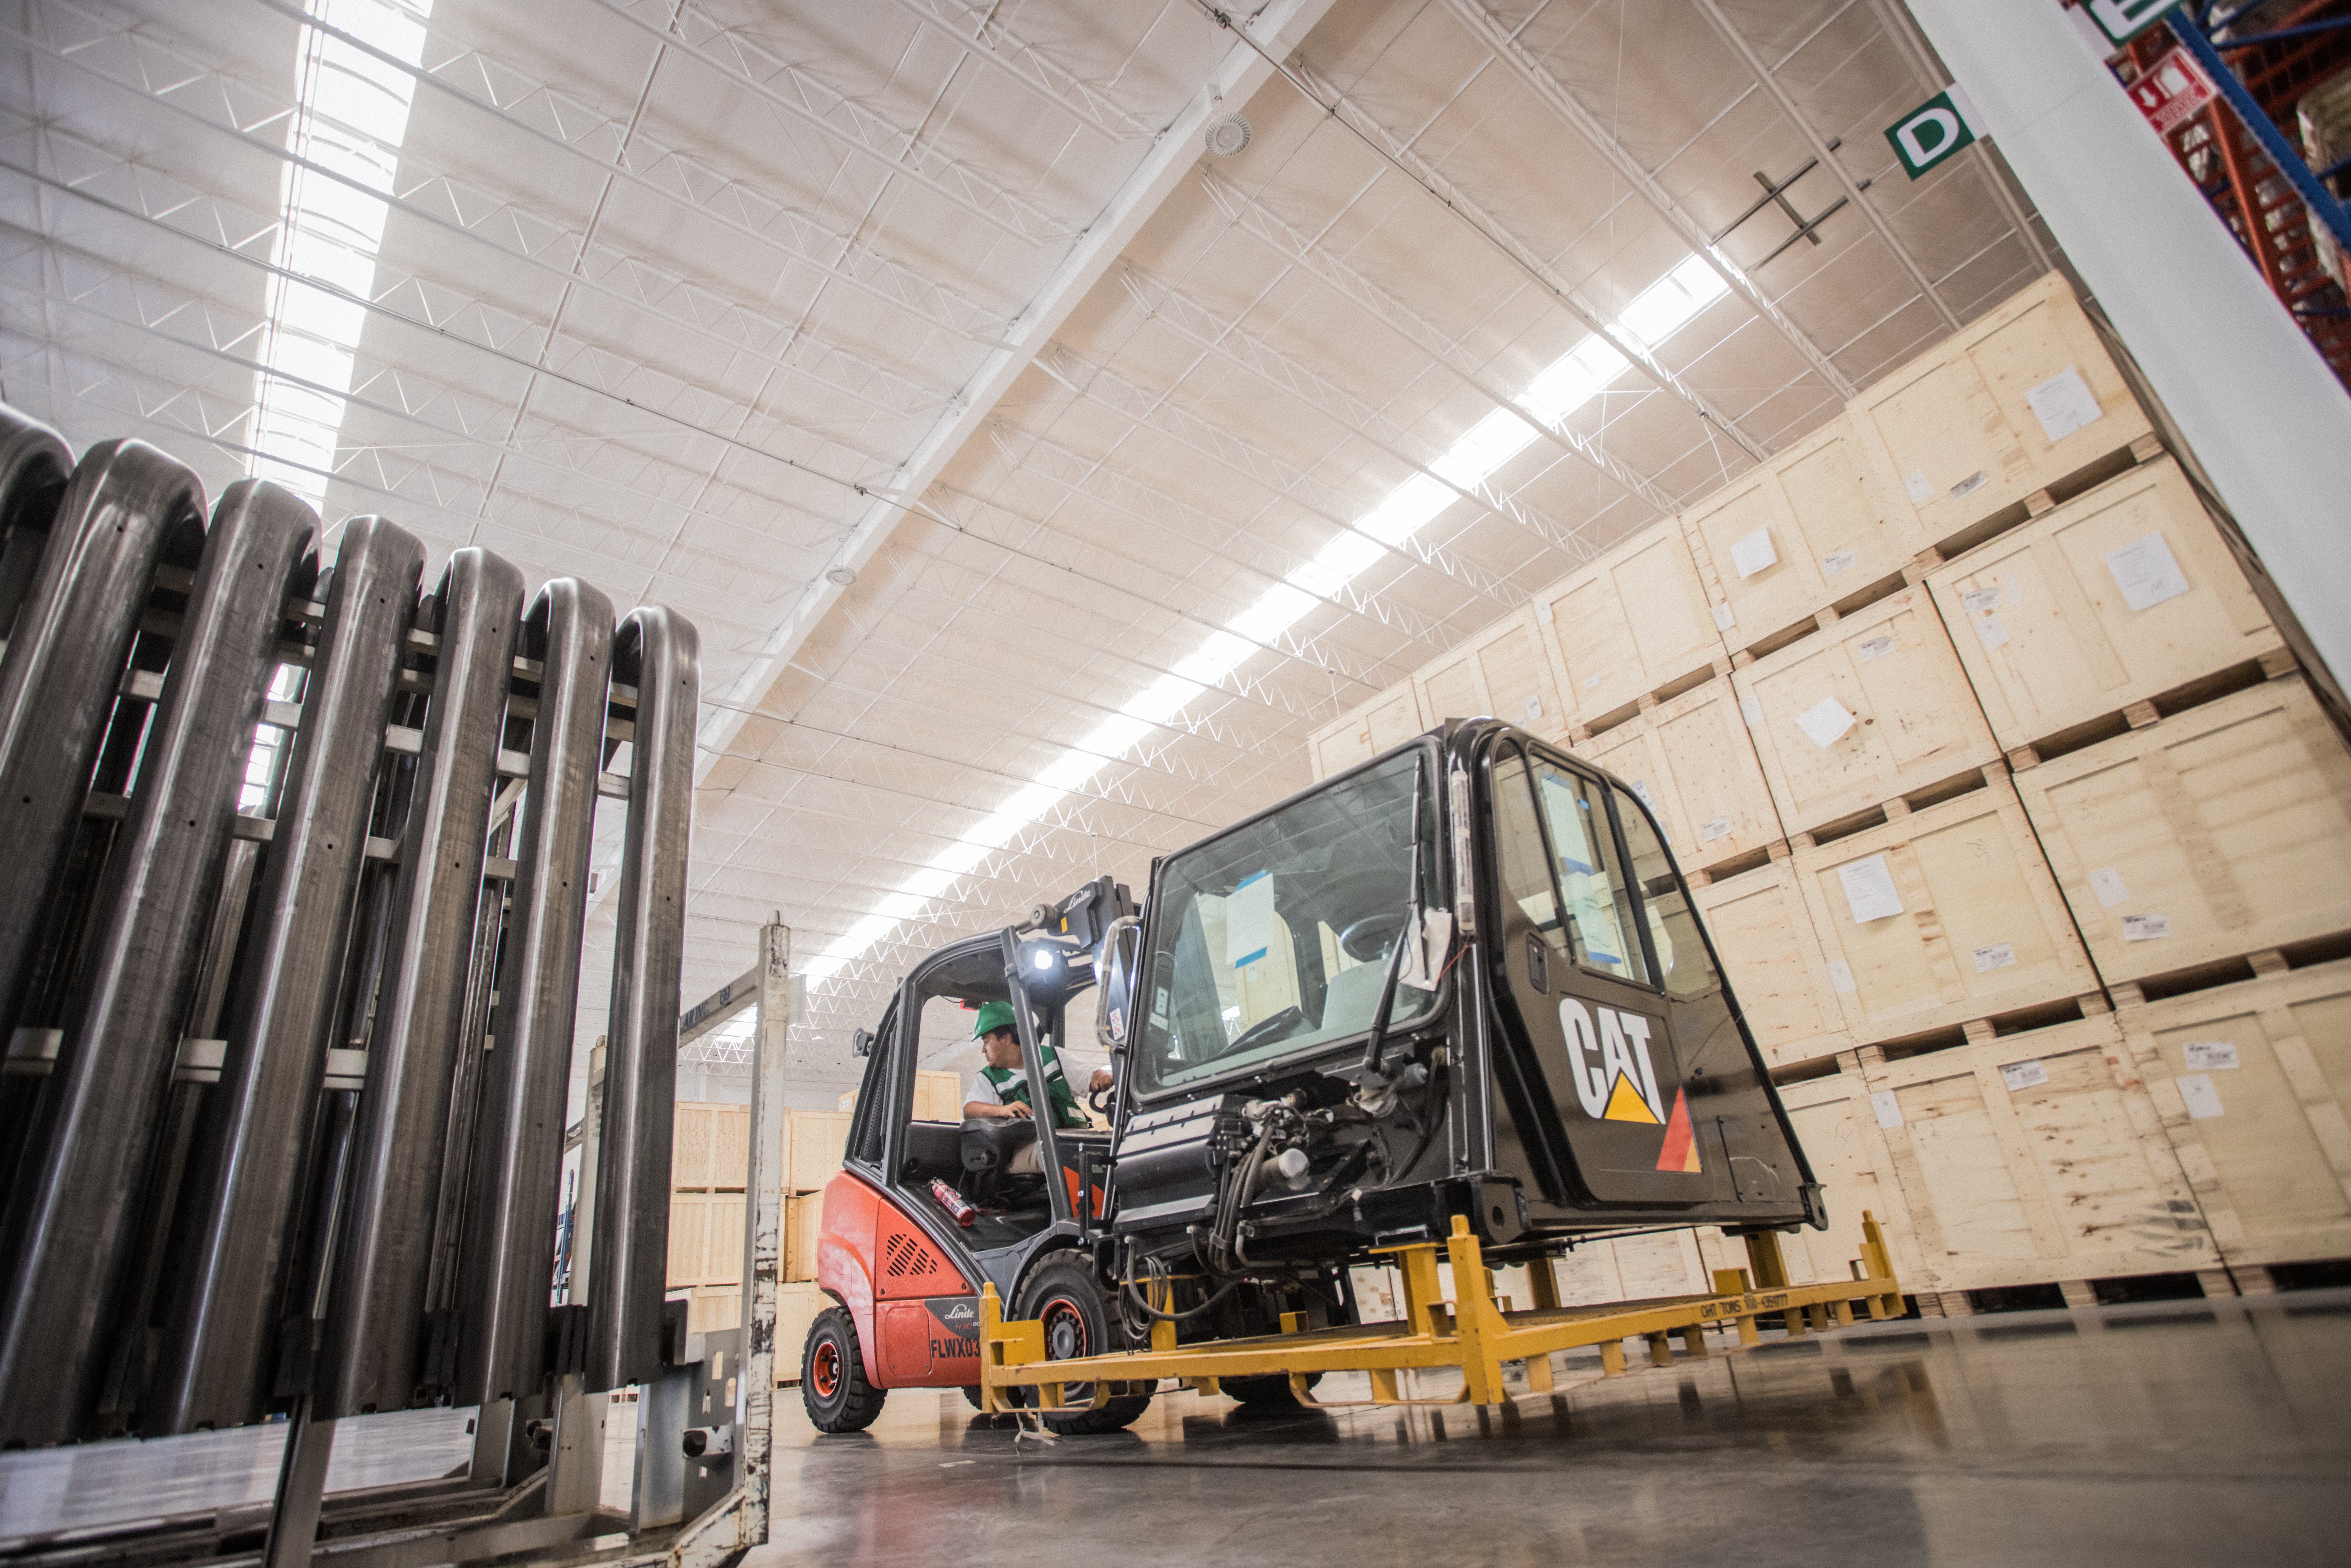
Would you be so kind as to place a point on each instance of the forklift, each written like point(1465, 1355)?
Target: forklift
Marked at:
point(1460, 988)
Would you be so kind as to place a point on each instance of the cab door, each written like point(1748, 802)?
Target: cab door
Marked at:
point(1623, 1023)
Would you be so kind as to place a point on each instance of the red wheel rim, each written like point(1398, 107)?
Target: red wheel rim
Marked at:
point(824, 1370)
point(1065, 1329)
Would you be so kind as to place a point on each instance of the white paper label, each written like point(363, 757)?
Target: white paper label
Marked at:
point(1887, 1106)
point(1751, 711)
point(2107, 883)
point(2011, 592)
point(1826, 722)
point(2023, 1074)
point(2146, 927)
point(1873, 648)
point(1841, 561)
point(1719, 828)
point(1590, 682)
point(2062, 404)
point(1916, 485)
point(1980, 600)
point(2196, 1093)
point(1991, 633)
point(1534, 709)
point(1840, 977)
point(1424, 959)
point(1641, 787)
point(2212, 1055)
point(2146, 572)
point(1754, 553)
point(1999, 956)
point(1543, 610)
point(1970, 485)
point(1723, 619)
point(1869, 890)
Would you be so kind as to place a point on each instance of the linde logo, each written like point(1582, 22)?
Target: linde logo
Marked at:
point(960, 1312)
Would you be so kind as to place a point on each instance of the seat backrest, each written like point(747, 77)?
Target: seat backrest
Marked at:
point(1351, 997)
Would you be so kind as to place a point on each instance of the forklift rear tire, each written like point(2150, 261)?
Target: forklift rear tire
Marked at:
point(1062, 1294)
point(833, 1389)
point(1271, 1389)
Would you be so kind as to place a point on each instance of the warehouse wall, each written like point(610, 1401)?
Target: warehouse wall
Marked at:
point(2022, 832)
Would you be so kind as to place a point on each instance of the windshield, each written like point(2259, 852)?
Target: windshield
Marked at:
point(1276, 938)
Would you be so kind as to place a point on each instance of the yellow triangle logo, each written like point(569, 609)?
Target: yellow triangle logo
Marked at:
point(1625, 1105)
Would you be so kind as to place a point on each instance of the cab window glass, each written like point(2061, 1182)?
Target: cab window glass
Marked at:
point(1526, 864)
point(1594, 896)
point(1682, 963)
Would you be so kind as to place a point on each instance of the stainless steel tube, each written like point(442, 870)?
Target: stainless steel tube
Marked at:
point(375, 1317)
point(123, 506)
point(256, 1143)
point(35, 463)
point(72, 1226)
point(629, 1259)
point(510, 1245)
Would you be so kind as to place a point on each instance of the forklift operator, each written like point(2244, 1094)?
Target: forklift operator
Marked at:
point(1000, 1087)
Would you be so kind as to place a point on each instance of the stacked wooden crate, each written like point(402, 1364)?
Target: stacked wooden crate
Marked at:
point(709, 1149)
point(2026, 846)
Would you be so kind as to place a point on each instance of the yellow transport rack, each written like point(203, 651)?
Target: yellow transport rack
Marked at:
point(1473, 1334)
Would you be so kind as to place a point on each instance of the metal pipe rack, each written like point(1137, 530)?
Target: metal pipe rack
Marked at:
point(282, 1119)
point(1472, 1334)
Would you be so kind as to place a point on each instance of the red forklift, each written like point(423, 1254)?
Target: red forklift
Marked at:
point(1464, 979)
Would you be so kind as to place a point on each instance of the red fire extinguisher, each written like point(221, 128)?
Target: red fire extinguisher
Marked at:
point(954, 1202)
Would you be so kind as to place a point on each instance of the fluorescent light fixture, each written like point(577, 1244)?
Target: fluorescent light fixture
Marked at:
point(1575, 379)
point(352, 117)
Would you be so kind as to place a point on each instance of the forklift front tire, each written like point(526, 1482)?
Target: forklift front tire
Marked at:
point(1077, 1317)
point(833, 1390)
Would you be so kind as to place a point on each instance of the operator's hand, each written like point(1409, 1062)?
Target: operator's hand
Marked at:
point(1099, 1082)
point(1018, 1109)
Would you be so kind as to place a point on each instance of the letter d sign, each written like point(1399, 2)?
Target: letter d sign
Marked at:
point(1933, 131)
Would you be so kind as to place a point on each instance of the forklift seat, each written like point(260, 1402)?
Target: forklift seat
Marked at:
point(933, 1152)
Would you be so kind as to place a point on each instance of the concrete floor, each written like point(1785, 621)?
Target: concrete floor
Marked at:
point(2186, 1432)
point(2172, 1432)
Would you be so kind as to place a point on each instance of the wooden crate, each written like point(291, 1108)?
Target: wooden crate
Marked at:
point(1690, 757)
point(1979, 930)
point(1628, 624)
point(2253, 1081)
point(2034, 1157)
point(710, 1142)
point(1631, 1269)
point(705, 1239)
point(803, 1222)
point(1762, 931)
point(2046, 628)
point(1910, 720)
point(1784, 542)
point(814, 1142)
point(1846, 1149)
point(713, 1307)
point(938, 1096)
point(1503, 672)
point(2219, 831)
point(1952, 438)
point(797, 1307)
point(1389, 719)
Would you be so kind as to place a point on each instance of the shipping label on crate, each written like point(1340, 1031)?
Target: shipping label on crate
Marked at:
point(2026, 1074)
point(2199, 1094)
point(2063, 405)
point(2146, 572)
point(1869, 891)
point(2211, 1055)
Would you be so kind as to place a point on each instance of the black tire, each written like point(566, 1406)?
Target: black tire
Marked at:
point(971, 1395)
point(1077, 1316)
point(833, 1390)
point(1270, 1390)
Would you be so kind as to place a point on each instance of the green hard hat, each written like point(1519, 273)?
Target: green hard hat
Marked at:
point(993, 1016)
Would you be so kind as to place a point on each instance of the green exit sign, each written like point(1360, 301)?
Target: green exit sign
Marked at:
point(2123, 20)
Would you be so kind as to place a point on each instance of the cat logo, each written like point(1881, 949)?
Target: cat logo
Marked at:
point(1616, 1081)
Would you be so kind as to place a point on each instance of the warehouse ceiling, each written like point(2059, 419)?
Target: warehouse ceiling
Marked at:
point(1037, 480)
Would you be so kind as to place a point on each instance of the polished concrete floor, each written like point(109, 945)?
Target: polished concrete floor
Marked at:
point(2165, 1433)
point(2184, 1432)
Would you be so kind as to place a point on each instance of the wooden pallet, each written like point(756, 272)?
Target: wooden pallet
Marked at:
point(2220, 830)
point(1889, 676)
point(2049, 635)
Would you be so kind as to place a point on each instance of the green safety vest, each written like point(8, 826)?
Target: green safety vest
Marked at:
point(1012, 1085)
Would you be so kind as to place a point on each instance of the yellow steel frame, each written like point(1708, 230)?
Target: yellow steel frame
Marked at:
point(1473, 1332)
